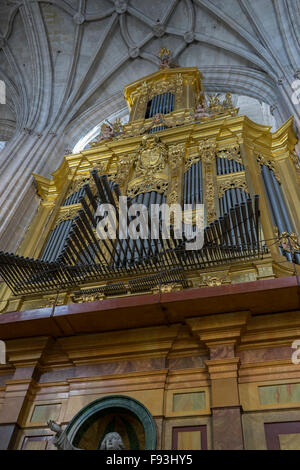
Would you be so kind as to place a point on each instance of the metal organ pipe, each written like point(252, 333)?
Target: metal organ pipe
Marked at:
point(162, 104)
point(279, 210)
point(59, 235)
point(280, 199)
point(275, 207)
point(193, 191)
point(226, 166)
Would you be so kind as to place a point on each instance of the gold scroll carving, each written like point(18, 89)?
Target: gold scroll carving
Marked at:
point(207, 150)
point(232, 181)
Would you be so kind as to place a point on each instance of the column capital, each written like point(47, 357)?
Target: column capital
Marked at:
point(223, 368)
point(217, 331)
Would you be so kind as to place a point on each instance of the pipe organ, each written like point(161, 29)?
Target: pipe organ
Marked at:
point(175, 149)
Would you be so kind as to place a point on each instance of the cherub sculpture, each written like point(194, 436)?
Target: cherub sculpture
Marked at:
point(117, 127)
point(201, 111)
point(107, 132)
point(157, 119)
point(111, 441)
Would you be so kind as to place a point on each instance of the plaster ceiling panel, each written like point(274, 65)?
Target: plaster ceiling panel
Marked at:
point(154, 9)
point(204, 55)
point(94, 35)
point(213, 27)
point(233, 9)
point(70, 3)
point(168, 41)
point(137, 29)
point(129, 72)
point(6, 113)
point(5, 69)
point(98, 7)
point(6, 10)
point(23, 56)
point(13, 101)
point(61, 35)
point(181, 17)
point(113, 53)
point(269, 25)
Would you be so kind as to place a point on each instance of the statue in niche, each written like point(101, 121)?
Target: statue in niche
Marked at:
point(111, 441)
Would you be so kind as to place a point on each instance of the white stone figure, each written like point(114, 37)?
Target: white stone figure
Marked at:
point(111, 441)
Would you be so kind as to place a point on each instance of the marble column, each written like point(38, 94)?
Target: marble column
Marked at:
point(220, 334)
point(22, 371)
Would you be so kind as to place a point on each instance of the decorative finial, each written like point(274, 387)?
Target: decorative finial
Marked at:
point(165, 59)
point(164, 52)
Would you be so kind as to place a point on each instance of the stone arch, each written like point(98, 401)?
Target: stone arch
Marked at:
point(120, 402)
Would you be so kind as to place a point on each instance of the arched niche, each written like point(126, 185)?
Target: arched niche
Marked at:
point(119, 413)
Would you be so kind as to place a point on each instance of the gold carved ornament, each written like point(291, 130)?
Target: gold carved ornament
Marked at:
point(261, 160)
point(108, 132)
point(176, 155)
point(150, 162)
point(87, 297)
point(151, 157)
point(207, 151)
point(67, 214)
point(288, 241)
point(158, 185)
point(100, 167)
point(124, 165)
point(148, 91)
point(166, 59)
point(176, 158)
point(214, 280)
point(232, 182)
point(190, 160)
point(133, 129)
point(167, 288)
point(215, 107)
point(232, 153)
point(77, 184)
point(173, 196)
point(295, 160)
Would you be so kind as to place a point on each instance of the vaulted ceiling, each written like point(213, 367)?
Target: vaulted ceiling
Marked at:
point(65, 63)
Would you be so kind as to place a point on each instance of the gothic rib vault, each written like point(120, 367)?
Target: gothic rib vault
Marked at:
point(65, 64)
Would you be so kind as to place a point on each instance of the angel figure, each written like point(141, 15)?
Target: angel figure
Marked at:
point(60, 440)
point(201, 111)
point(117, 127)
point(227, 103)
point(107, 132)
point(111, 441)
